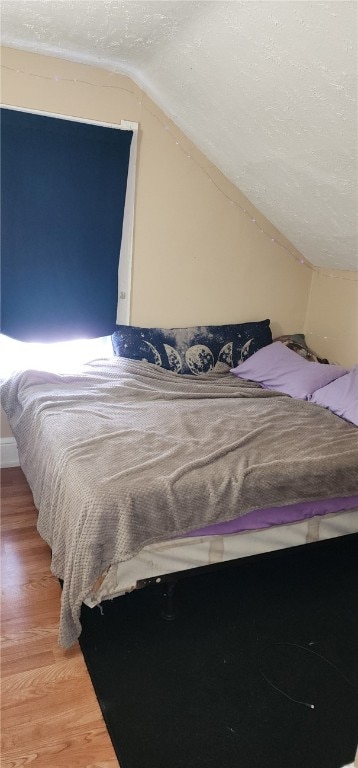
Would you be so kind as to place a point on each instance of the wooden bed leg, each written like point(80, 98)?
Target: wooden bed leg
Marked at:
point(168, 611)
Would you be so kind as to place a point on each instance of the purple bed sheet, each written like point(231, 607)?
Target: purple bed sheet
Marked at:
point(265, 518)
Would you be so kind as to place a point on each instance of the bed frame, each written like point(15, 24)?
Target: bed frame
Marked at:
point(246, 544)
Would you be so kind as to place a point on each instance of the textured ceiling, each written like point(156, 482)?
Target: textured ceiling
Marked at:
point(267, 90)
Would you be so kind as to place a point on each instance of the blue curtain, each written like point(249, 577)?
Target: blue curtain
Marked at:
point(63, 187)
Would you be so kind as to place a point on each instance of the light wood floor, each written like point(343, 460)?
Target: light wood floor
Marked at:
point(50, 714)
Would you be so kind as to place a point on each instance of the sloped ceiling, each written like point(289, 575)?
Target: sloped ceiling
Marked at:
point(267, 90)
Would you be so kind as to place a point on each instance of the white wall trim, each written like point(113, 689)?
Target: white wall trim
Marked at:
point(124, 125)
point(126, 251)
point(9, 456)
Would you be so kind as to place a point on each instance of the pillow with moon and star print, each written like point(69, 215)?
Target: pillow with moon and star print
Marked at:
point(192, 350)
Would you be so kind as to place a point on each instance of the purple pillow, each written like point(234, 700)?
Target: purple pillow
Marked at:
point(277, 367)
point(341, 396)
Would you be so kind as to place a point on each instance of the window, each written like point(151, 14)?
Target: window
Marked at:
point(58, 357)
point(63, 190)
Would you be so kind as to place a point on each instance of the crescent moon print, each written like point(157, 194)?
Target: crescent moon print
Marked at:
point(174, 359)
point(200, 359)
point(225, 354)
point(156, 355)
point(245, 350)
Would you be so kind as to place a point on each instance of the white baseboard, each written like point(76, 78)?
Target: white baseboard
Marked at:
point(9, 456)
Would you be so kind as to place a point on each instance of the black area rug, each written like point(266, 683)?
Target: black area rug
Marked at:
point(207, 690)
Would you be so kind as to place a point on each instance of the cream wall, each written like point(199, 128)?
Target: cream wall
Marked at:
point(331, 325)
point(197, 257)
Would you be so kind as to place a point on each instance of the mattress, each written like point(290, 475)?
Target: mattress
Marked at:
point(154, 561)
point(290, 513)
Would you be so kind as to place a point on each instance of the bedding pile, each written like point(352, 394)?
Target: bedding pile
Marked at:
point(126, 454)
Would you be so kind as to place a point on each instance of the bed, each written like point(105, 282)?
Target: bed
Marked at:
point(133, 468)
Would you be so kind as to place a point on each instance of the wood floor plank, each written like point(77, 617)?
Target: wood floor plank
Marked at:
point(14, 637)
point(18, 662)
point(50, 714)
point(27, 605)
point(18, 570)
point(69, 723)
point(28, 622)
point(54, 706)
point(80, 751)
point(34, 683)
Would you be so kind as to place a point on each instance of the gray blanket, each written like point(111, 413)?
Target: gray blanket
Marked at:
point(126, 454)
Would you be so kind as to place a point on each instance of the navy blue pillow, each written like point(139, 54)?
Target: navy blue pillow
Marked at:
point(192, 350)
